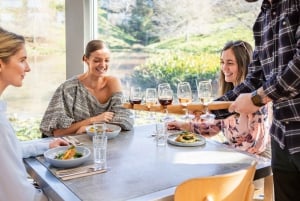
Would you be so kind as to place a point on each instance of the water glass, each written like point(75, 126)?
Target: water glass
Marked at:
point(161, 134)
point(100, 149)
point(99, 128)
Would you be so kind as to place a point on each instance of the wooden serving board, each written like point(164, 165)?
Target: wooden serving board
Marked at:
point(179, 109)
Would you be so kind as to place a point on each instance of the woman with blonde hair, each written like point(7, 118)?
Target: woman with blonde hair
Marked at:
point(14, 184)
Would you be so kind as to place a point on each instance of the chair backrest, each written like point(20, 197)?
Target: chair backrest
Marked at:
point(227, 187)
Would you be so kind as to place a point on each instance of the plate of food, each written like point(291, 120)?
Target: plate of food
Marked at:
point(186, 139)
point(111, 130)
point(67, 156)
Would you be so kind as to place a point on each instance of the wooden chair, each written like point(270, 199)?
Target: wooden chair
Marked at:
point(227, 187)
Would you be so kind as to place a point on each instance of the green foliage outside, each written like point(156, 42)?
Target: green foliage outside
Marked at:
point(26, 128)
point(174, 67)
point(177, 60)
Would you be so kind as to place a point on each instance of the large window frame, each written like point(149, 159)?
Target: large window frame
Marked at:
point(84, 13)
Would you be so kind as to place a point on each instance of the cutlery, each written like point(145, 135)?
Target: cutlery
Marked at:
point(77, 142)
point(72, 140)
point(82, 171)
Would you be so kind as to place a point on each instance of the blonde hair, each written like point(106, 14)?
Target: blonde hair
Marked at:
point(10, 43)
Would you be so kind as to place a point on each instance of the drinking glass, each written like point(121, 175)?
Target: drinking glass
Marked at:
point(184, 94)
point(205, 96)
point(100, 149)
point(99, 128)
point(161, 134)
point(165, 97)
point(150, 99)
point(135, 97)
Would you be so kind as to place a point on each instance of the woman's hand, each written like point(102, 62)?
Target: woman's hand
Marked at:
point(177, 125)
point(174, 125)
point(103, 117)
point(208, 130)
point(58, 142)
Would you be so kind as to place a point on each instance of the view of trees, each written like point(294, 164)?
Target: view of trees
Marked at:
point(195, 30)
point(151, 21)
point(152, 41)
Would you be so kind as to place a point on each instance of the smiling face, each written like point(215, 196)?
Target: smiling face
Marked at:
point(12, 71)
point(98, 61)
point(229, 66)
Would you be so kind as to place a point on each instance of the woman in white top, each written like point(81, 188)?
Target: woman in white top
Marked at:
point(14, 184)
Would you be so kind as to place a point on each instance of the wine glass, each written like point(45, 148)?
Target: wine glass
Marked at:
point(205, 96)
point(150, 99)
point(184, 94)
point(135, 97)
point(165, 97)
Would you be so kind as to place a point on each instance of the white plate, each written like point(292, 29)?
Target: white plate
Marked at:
point(172, 140)
point(51, 153)
point(115, 130)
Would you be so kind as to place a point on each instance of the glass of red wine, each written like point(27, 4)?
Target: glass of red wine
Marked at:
point(165, 97)
point(135, 97)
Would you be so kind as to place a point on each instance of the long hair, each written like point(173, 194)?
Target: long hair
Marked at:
point(243, 54)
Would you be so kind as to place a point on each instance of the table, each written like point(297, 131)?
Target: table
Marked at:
point(138, 170)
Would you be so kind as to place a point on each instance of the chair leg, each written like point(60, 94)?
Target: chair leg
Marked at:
point(268, 188)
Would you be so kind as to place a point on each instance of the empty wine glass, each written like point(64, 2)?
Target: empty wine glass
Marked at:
point(165, 97)
point(205, 96)
point(150, 99)
point(184, 94)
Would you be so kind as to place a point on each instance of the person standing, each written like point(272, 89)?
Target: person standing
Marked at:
point(14, 184)
point(274, 76)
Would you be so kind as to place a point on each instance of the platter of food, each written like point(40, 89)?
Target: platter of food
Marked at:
point(186, 139)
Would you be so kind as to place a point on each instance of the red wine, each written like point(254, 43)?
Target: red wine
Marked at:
point(135, 101)
point(165, 101)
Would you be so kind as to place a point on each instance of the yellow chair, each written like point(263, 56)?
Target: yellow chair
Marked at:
point(235, 186)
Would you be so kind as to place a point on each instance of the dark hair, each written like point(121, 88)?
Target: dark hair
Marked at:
point(243, 54)
point(92, 46)
point(10, 43)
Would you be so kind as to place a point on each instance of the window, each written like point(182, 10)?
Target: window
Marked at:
point(43, 25)
point(168, 42)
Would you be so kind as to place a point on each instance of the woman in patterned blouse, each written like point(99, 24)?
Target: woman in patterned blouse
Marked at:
point(87, 98)
point(244, 132)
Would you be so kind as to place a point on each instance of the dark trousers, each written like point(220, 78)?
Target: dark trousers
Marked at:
point(286, 174)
